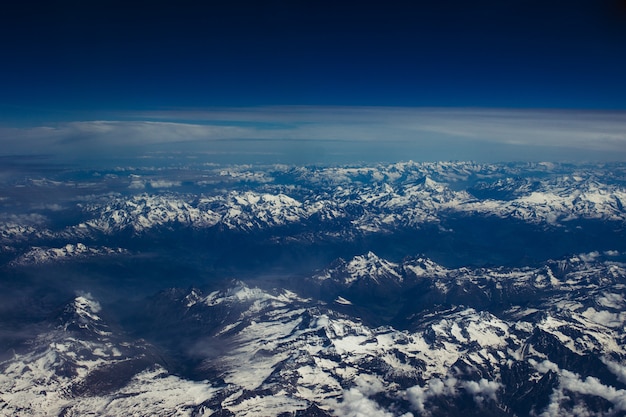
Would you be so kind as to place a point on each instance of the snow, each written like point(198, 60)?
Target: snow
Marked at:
point(86, 306)
point(343, 301)
point(352, 345)
point(611, 300)
point(605, 318)
point(267, 405)
point(457, 333)
point(40, 255)
point(372, 267)
point(152, 392)
point(302, 350)
point(390, 198)
point(315, 382)
point(486, 333)
point(325, 357)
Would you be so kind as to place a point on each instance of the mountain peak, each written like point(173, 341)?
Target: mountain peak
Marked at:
point(364, 268)
point(81, 314)
point(422, 266)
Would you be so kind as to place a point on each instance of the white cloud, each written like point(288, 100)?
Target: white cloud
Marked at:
point(579, 129)
point(570, 381)
point(137, 185)
point(589, 257)
point(381, 132)
point(369, 384)
point(482, 389)
point(418, 396)
point(33, 219)
point(357, 404)
point(616, 368)
point(95, 137)
point(164, 184)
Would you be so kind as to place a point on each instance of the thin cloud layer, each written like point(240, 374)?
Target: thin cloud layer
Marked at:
point(337, 133)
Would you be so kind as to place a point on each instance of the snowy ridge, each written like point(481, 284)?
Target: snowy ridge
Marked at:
point(363, 335)
point(70, 251)
point(250, 210)
point(376, 199)
point(287, 354)
point(420, 267)
point(11, 231)
point(368, 267)
point(23, 227)
point(82, 314)
point(144, 212)
point(562, 199)
point(304, 354)
point(572, 274)
point(81, 368)
point(293, 358)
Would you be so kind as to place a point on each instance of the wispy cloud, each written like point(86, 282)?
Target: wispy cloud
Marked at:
point(578, 128)
point(355, 132)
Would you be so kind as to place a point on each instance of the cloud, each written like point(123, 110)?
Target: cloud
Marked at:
point(30, 219)
point(137, 184)
point(105, 136)
point(589, 257)
point(616, 369)
point(356, 404)
point(482, 389)
point(322, 132)
point(575, 128)
point(369, 384)
point(418, 396)
point(570, 381)
point(164, 184)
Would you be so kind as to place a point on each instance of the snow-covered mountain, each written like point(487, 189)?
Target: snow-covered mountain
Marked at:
point(81, 366)
point(366, 207)
point(364, 200)
point(297, 291)
point(362, 268)
point(484, 341)
point(79, 250)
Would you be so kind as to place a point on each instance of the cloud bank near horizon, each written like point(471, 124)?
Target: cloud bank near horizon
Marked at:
point(334, 134)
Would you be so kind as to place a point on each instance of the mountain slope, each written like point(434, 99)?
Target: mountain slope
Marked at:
point(483, 341)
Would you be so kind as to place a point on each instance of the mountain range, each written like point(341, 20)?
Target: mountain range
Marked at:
point(408, 289)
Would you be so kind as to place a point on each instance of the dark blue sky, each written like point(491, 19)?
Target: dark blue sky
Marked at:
point(61, 58)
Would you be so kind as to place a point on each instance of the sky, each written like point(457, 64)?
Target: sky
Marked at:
point(447, 80)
